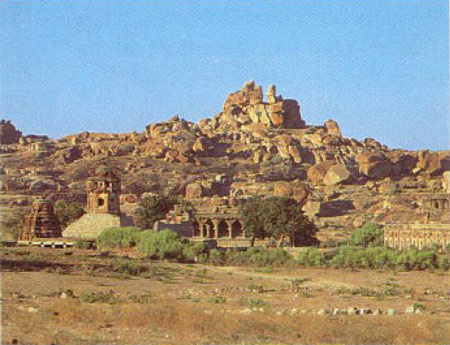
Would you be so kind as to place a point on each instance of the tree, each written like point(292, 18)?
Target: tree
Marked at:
point(277, 217)
point(370, 235)
point(13, 225)
point(68, 211)
point(152, 209)
point(252, 217)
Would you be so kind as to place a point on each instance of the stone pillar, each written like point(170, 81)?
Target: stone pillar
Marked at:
point(216, 228)
point(230, 228)
point(201, 223)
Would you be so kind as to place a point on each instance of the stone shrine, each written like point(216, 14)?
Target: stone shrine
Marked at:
point(103, 207)
point(42, 222)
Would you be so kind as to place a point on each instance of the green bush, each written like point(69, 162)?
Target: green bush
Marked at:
point(113, 237)
point(444, 263)
point(374, 257)
point(369, 235)
point(83, 244)
point(126, 266)
point(257, 256)
point(193, 251)
point(165, 244)
point(216, 257)
point(312, 257)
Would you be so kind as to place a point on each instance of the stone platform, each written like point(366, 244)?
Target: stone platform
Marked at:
point(91, 225)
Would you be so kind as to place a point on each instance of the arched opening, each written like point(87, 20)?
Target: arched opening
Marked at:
point(236, 229)
point(436, 204)
point(209, 226)
point(223, 229)
point(196, 229)
point(446, 203)
point(100, 202)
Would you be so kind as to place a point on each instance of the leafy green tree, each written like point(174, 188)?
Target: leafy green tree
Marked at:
point(279, 218)
point(370, 235)
point(152, 209)
point(68, 211)
point(252, 217)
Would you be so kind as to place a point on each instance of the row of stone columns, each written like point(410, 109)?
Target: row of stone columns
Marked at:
point(212, 230)
point(403, 240)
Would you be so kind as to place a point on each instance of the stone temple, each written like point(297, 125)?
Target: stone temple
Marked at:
point(41, 222)
point(103, 207)
point(433, 230)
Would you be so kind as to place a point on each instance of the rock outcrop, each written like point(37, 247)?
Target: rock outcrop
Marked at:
point(247, 106)
point(374, 165)
point(256, 145)
point(317, 172)
point(294, 189)
point(337, 174)
point(8, 133)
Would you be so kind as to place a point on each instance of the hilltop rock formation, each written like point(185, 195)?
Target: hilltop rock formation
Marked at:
point(256, 145)
point(247, 106)
point(8, 133)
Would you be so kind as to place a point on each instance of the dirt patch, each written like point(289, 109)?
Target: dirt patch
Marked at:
point(84, 298)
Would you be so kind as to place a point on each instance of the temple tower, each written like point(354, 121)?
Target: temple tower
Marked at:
point(103, 192)
point(103, 207)
point(41, 222)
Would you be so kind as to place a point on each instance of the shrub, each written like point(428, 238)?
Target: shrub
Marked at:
point(83, 244)
point(369, 235)
point(193, 251)
point(161, 245)
point(444, 263)
point(258, 256)
point(311, 257)
point(215, 257)
point(375, 257)
point(126, 266)
point(113, 237)
point(108, 297)
point(217, 299)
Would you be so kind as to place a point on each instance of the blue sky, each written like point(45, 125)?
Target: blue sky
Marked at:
point(380, 68)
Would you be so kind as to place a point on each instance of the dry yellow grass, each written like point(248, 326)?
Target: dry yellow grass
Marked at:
point(190, 305)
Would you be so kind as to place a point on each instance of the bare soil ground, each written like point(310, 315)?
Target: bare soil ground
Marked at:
point(80, 297)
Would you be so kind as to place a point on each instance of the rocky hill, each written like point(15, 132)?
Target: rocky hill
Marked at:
point(251, 147)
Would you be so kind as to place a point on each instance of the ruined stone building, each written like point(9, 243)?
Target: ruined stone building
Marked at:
point(215, 219)
point(41, 222)
point(433, 230)
point(103, 207)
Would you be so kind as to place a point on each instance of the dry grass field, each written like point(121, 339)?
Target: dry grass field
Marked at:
point(80, 297)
